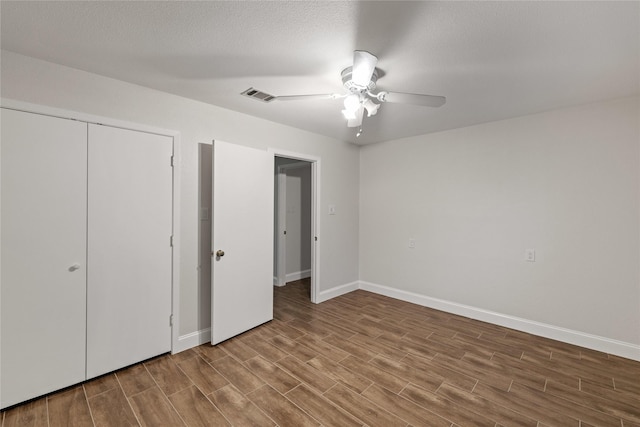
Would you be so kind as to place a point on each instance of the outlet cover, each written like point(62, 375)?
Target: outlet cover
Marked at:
point(530, 255)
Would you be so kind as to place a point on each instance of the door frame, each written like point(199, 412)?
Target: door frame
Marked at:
point(175, 256)
point(315, 217)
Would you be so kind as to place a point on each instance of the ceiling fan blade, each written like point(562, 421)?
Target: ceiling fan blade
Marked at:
point(354, 123)
point(412, 98)
point(364, 64)
point(307, 97)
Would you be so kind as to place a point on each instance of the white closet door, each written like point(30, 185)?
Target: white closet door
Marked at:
point(43, 251)
point(129, 252)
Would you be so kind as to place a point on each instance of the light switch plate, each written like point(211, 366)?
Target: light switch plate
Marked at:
point(204, 214)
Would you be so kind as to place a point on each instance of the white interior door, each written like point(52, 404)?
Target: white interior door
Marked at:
point(43, 291)
point(129, 250)
point(281, 237)
point(242, 278)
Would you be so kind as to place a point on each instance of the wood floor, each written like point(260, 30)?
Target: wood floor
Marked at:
point(359, 359)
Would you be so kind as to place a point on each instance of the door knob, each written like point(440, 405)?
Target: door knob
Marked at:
point(220, 253)
point(74, 267)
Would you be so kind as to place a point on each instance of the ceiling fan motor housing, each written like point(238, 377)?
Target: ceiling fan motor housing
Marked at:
point(355, 88)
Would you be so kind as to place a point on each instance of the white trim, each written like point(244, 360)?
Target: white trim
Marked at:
point(606, 345)
point(83, 117)
point(298, 275)
point(90, 118)
point(175, 255)
point(293, 155)
point(337, 291)
point(315, 231)
point(194, 339)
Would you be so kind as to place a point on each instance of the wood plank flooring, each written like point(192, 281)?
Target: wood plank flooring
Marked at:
point(359, 359)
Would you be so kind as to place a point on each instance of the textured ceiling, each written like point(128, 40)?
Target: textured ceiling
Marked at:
point(492, 60)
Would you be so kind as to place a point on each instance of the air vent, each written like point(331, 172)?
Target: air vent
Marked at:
point(256, 94)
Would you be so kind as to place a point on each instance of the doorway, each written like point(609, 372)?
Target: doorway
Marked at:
point(295, 238)
point(203, 316)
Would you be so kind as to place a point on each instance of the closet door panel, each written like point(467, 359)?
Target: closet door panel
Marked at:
point(129, 252)
point(43, 247)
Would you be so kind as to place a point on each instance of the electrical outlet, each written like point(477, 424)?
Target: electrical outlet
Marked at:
point(530, 255)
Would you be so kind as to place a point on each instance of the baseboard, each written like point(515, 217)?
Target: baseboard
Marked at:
point(337, 291)
point(194, 339)
point(290, 277)
point(594, 342)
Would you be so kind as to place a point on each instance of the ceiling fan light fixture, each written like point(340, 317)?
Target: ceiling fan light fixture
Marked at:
point(364, 65)
point(352, 102)
point(359, 80)
point(382, 96)
point(371, 107)
point(349, 115)
point(352, 86)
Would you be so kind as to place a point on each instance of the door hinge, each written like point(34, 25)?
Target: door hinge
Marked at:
point(171, 240)
point(171, 320)
point(315, 238)
point(171, 161)
point(285, 232)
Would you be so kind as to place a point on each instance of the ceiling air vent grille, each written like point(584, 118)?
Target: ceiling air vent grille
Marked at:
point(256, 94)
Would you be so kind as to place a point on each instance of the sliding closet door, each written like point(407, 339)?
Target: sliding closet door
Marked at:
point(129, 251)
point(43, 254)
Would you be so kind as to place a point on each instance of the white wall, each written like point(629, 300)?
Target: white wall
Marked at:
point(565, 183)
point(34, 81)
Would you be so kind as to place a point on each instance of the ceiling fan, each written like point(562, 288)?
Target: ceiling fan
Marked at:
point(360, 82)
